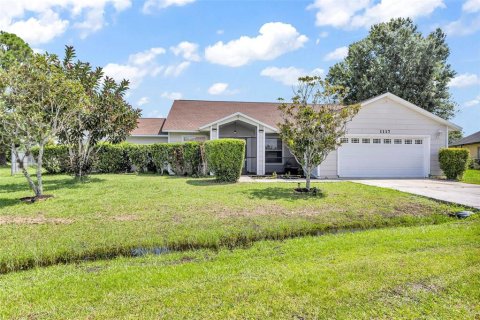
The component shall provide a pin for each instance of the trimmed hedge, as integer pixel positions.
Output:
(453, 162)
(55, 158)
(112, 158)
(225, 158)
(183, 159)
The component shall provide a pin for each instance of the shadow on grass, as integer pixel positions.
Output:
(277, 193)
(49, 186)
(206, 182)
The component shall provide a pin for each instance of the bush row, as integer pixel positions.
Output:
(224, 157)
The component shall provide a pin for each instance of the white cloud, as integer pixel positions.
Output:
(172, 95)
(188, 50)
(337, 54)
(175, 70)
(473, 102)
(363, 13)
(274, 40)
(162, 4)
(220, 88)
(220, 31)
(464, 26)
(465, 80)
(289, 76)
(142, 101)
(38, 30)
(44, 22)
(471, 6)
(139, 65)
(155, 114)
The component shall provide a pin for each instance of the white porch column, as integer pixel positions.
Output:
(260, 150)
(214, 132)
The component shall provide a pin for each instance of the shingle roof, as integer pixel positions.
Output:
(148, 126)
(190, 115)
(473, 138)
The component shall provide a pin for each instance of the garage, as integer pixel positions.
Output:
(383, 157)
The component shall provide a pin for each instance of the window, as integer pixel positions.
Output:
(273, 150)
(387, 141)
(376, 140)
(418, 141)
(194, 138)
(355, 140)
(366, 140)
(397, 141)
(344, 140)
(408, 141)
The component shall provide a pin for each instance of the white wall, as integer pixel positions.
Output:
(178, 136)
(147, 140)
(386, 114)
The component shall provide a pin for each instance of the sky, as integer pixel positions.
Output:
(236, 50)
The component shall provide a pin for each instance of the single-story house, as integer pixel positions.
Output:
(472, 143)
(389, 137)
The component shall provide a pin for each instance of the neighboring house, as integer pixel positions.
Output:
(389, 137)
(472, 143)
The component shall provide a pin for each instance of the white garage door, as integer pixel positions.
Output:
(383, 157)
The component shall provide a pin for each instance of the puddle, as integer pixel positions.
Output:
(139, 252)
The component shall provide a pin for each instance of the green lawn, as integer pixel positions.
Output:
(113, 214)
(422, 272)
(472, 176)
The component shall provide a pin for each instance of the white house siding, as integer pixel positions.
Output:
(328, 168)
(178, 136)
(386, 114)
(147, 140)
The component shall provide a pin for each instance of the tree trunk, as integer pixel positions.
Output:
(308, 173)
(25, 171)
(39, 171)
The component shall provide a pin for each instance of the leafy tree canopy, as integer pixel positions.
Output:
(106, 117)
(314, 122)
(12, 49)
(395, 57)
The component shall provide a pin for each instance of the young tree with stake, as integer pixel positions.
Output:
(314, 122)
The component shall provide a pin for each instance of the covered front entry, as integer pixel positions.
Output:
(240, 130)
(264, 152)
(384, 157)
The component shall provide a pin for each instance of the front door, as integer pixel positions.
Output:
(250, 162)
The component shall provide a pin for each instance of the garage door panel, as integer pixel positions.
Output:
(382, 160)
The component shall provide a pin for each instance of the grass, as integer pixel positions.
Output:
(111, 215)
(471, 176)
(421, 272)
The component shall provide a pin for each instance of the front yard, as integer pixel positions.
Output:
(422, 272)
(472, 176)
(114, 215)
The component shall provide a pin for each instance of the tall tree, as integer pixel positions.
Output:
(397, 58)
(37, 101)
(314, 122)
(106, 117)
(12, 49)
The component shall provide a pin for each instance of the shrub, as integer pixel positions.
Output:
(184, 159)
(55, 158)
(140, 157)
(159, 153)
(453, 162)
(225, 158)
(112, 158)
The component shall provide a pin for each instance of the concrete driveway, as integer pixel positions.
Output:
(457, 192)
